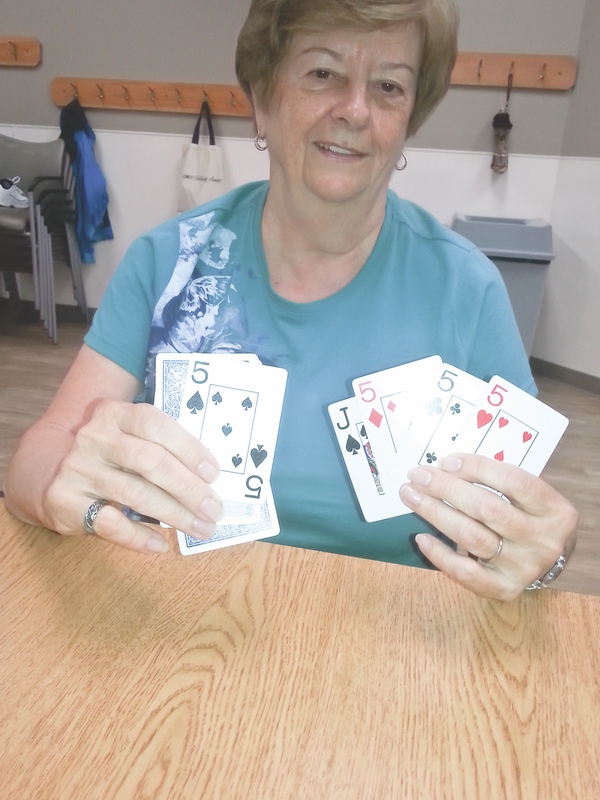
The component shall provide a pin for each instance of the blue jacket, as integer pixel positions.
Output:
(91, 213)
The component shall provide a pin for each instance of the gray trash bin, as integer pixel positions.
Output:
(522, 251)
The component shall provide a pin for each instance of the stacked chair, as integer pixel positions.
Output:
(31, 238)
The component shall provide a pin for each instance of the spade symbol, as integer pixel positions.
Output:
(216, 398)
(226, 429)
(352, 446)
(258, 455)
(247, 404)
(195, 403)
(236, 460)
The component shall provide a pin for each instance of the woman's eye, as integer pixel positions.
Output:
(390, 88)
(322, 74)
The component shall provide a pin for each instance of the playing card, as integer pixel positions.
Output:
(232, 529)
(234, 409)
(172, 371)
(440, 412)
(355, 446)
(387, 402)
(510, 425)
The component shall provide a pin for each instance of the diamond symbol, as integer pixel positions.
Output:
(375, 418)
(391, 406)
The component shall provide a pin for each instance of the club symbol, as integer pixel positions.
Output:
(195, 403)
(352, 446)
(435, 407)
(236, 460)
(431, 457)
(247, 404)
(226, 429)
(216, 398)
(258, 455)
(455, 409)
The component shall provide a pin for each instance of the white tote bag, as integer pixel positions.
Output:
(202, 168)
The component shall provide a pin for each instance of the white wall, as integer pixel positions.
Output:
(141, 171)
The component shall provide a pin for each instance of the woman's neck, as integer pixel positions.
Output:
(315, 249)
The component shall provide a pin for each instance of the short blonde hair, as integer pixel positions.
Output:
(266, 35)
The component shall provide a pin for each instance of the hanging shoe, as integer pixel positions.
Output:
(10, 195)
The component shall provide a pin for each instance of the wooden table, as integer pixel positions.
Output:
(262, 671)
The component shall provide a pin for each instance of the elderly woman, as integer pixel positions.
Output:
(323, 271)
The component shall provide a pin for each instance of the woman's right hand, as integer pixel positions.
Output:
(137, 456)
(94, 443)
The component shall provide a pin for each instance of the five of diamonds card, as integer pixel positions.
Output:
(415, 413)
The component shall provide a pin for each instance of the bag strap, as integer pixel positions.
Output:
(211, 133)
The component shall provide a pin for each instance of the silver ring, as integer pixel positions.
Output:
(91, 514)
(496, 554)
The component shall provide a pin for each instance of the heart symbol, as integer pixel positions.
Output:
(499, 456)
(527, 436)
(226, 429)
(236, 461)
(503, 421)
(483, 418)
(258, 455)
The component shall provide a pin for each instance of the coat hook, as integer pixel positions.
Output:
(152, 97)
(100, 93)
(543, 75)
(232, 99)
(75, 94)
(14, 50)
(479, 68)
(126, 93)
(178, 93)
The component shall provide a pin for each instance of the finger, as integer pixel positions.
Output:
(469, 514)
(112, 525)
(467, 572)
(156, 483)
(166, 478)
(145, 422)
(524, 490)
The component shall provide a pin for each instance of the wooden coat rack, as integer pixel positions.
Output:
(557, 73)
(20, 51)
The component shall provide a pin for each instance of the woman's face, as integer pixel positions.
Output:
(337, 121)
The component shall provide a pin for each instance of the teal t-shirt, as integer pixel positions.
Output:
(200, 283)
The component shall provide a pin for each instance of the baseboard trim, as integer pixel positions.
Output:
(580, 380)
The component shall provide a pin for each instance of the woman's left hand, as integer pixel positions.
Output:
(536, 526)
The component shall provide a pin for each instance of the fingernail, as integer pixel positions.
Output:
(157, 545)
(423, 542)
(208, 472)
(203, 529)
(450, 464)
(212, 508)
(420, 476)
(409, 495)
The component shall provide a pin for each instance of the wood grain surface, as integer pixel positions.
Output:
(262, 671)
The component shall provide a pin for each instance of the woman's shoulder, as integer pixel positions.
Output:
(413, 224)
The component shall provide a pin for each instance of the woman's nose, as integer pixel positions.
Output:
(353, 104)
